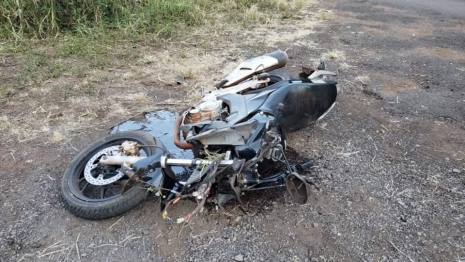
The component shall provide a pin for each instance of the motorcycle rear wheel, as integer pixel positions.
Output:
(277, 76)
(91, 201)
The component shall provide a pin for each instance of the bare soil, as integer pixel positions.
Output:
(390, 156)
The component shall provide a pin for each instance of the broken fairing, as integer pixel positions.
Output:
(327, 111)
(250, 84)
(234, 135)
(249, 67)
(320, 76)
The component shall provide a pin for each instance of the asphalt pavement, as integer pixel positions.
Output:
(448, 8)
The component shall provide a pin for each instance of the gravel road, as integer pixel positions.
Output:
(390, 162)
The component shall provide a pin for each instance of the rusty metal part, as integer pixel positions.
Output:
(297, 187)
(130, 148)
(134, 178)
(177, 139)
(207, 110)
(194, 115)
(176, 200)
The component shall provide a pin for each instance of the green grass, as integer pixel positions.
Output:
(40, 19)
(49, 38)
(47, 18)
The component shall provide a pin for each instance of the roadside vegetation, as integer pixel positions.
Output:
(66, 63)
(42, 34)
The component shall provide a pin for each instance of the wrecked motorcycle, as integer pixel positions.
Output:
(236, 136)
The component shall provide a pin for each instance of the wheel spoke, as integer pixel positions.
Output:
(102, 192)
(113, 190)
(84, 188)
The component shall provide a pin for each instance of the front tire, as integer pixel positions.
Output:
(82, 202)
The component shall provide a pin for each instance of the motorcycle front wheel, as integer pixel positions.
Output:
(93, 191)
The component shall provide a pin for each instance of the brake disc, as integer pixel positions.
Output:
(93, 163)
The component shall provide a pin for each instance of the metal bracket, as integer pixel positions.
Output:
(297, 188)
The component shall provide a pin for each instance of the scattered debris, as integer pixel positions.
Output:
(110, 227)
(373, 94)
(384, 128)
(57, 137)
(239, 257)
(180, 80)
(401, 251)
(77, 247)
(400, 202)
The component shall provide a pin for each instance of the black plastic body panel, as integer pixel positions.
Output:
(160, 125)
(303, 103)
(253, 145)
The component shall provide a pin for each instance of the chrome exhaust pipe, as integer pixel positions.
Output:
(165, 162)
(119, 160)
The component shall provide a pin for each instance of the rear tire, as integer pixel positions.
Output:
(278, 76)
(102, 208)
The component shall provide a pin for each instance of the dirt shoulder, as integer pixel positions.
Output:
(390, 156)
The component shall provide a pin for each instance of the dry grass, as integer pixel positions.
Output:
(336, 55)
(194, 95)
(325, 15)
(148, 59)
(253, 14)
(5, 123)
(282, 5)
(344, 65)
(137, 97)
(57, 137)
(362, 79)
(140, 78)
(299, 4)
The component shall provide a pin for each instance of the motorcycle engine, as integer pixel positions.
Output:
(208, 110)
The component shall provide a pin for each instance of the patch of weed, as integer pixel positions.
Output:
(325, 15)
(56, 69)
(334, 55)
